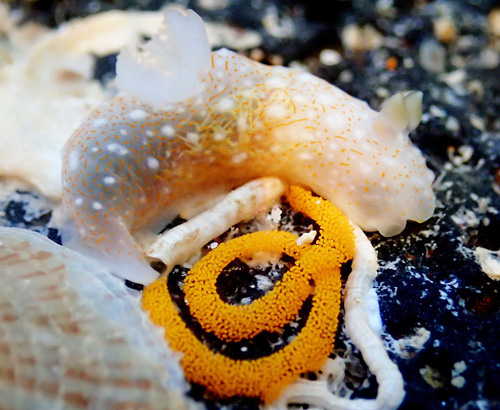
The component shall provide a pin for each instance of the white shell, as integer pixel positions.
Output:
(72, 336)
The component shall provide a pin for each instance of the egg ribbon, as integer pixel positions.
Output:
(316, 271)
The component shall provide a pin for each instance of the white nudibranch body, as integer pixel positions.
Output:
(193, 124)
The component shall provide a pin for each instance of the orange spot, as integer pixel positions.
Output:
(102, 238)
(391, 63)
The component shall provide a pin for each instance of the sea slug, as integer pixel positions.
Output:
(191, 124)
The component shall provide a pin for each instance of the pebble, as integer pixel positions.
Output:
(432, 56)
(276, 59)
(458, 382)
(445, 30)
(489, 58)
(213, 4)
(454, 78)
(346, 76)
(330, 57)
(452, 124)
(257, 54)
(476, 87)
(494, 22)
(358, 38)
(477, 122)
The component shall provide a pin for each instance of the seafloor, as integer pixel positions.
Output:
(440, 310)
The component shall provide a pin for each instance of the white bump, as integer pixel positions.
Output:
(138, 115)
(73, 160)
(193, 137)
(330, 57)
(305, 77)
(365, 167)
(276, 82)
(152, 163)
(302, 99)
(241, 125)
(219, 136)
(326, 99)
(226, 104)
(168, 131)
(97, 206)
(367, 148)
(109, 180)
(332, 147)
(311, 113)
(94, 149)
(99, 122)
(276, 111)
(336, 121)
(239, 158)
(117, 149)
(123, 132)
(306, 156)
(79, 201)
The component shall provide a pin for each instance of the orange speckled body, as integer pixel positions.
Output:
(131, 165)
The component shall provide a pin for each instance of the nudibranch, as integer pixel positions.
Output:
(191, 124)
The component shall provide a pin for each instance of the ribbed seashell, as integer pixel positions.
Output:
(72, 336)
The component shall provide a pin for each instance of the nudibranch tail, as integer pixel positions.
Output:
(112, 238)
(193, 125)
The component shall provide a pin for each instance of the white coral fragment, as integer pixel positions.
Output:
(178, 244)
(489, 262)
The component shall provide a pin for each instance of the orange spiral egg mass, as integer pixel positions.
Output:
(263, 377)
